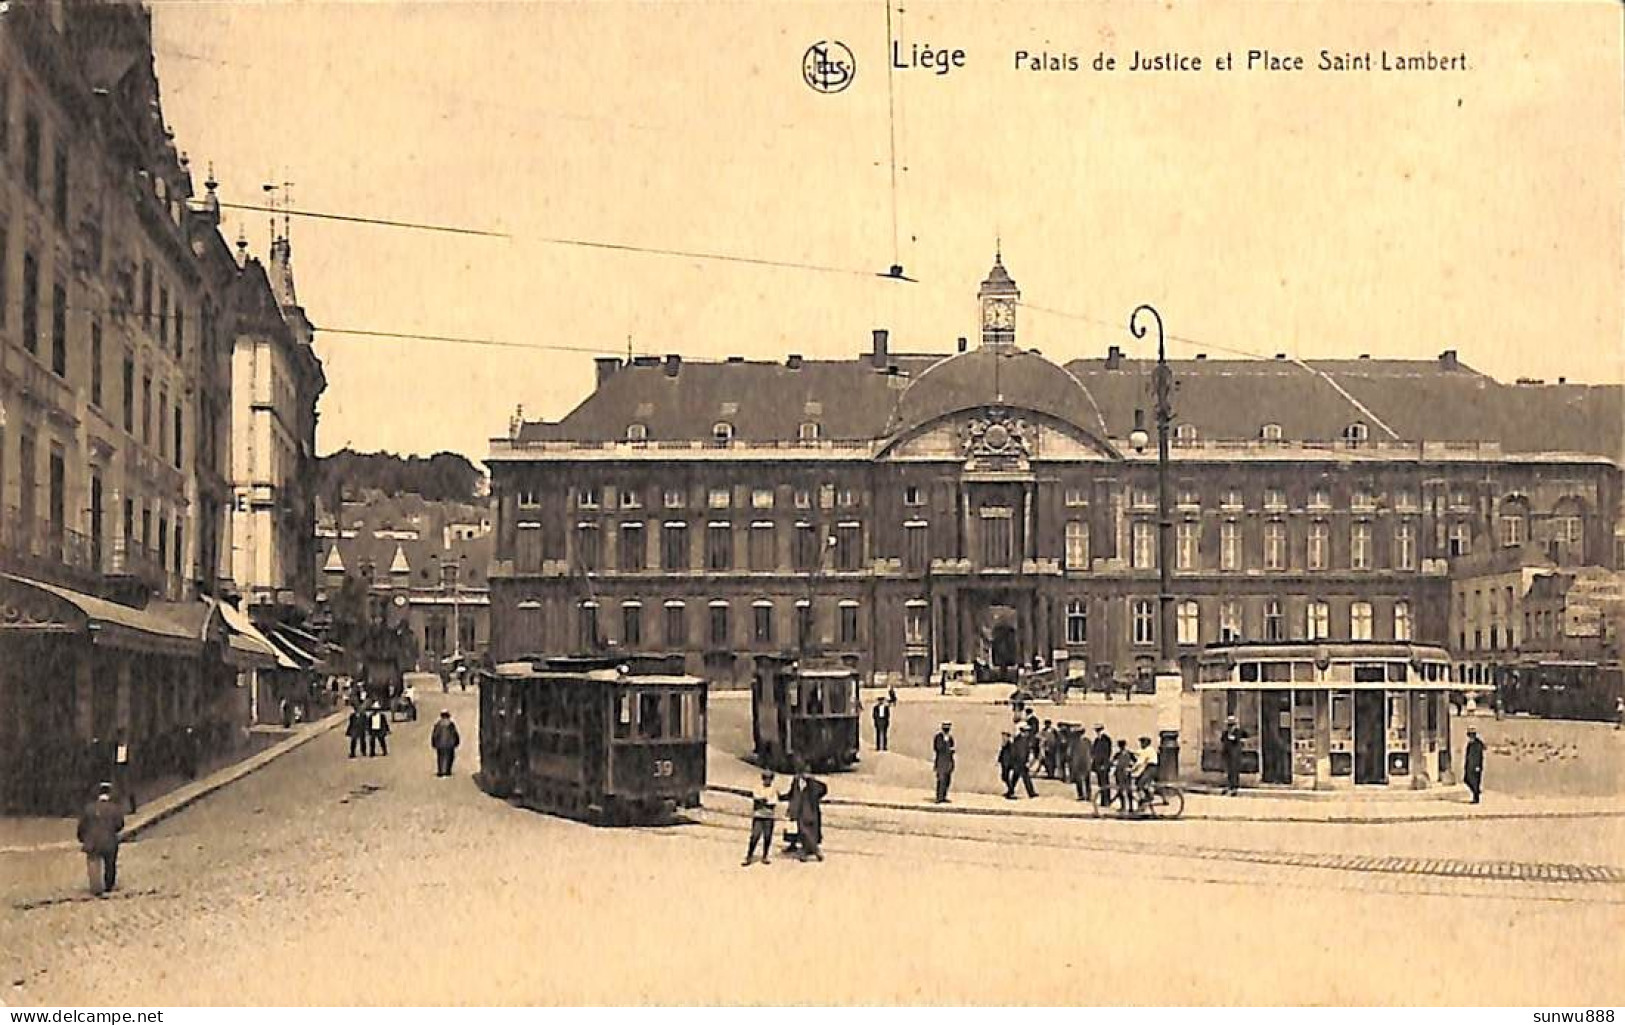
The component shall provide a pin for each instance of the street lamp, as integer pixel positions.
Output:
(1169, 681)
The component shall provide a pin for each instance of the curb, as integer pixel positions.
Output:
(184, 797)
(1355, 820)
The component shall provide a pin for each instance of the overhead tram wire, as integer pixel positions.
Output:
(355, 219)
(1191, 342)
(605, 350)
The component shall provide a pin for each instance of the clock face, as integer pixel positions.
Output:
(999, 313)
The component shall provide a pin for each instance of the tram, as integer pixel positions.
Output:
(1561, 689)
(606, 741)
(805, 710)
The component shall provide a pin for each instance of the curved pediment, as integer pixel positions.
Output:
(999, 438)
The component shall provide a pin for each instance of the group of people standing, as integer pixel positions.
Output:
(1095, 767)
(805, 808)
(368, 730)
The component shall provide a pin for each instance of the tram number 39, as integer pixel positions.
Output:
(662, 767)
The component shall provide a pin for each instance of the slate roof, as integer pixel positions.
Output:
(400, 513)
(1411, 400)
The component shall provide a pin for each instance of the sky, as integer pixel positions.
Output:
(1321, 214)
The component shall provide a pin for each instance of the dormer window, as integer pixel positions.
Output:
(1357, 433)
(1270, 432)
(722, 430)
(637, 432)
(1185, 434)
(810, 431)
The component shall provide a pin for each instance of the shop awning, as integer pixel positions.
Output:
(247, 647)
(35, 607)
(289, 651)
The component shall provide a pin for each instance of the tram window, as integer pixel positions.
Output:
(1431, 703)
(1249, 672)
(815, 699)
(623, 715)
(791, 695)
(1277, 672)
(1342, 712)
(1398, 672)
(1369, 673)
(837, 696)
(674, 710)
(651, 724)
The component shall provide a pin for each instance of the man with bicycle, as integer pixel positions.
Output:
(1145, 774)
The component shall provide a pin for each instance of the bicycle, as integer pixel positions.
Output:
(1164, 801)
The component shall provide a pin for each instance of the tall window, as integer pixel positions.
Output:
(1318, 625)
(1402, 620)
(1512, 530)
(1077, 544)
(1360, 621)
(96, 363)
(1144, 552)
(1274, 621)
(587, 635)
(1405, 545)
(1229, 545)
(1077, 621)
(179, 438)
(587, 549)
(848, 628)
(1189, 540)
(674, 546)
(146, 409)
(61, 175)
(719, 546)
(914, 615)
(848, 546)
(30, 303)
(763, 554)
(1188, 618)
(997, 542)
(916, 546)
(631, 624)
(762, 622)
(96, 531)
(180, 329)
(5, 235)
(1275, 545)
(31, 152)
(59, 331)
(1461, 539)
(804, 624)
(719, 634)
(1229, 621)
(1360, 545)
(631, 554)
(676, 625)
(805, 545)
(1320, 536)
(1143, 621)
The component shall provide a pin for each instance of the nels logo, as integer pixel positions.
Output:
(828, 66)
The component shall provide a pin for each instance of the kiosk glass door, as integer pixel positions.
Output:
(1370, 742)
(1276, 735)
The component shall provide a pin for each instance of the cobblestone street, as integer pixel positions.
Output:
(325, 880)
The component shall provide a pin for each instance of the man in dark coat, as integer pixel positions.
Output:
(1230, 747)
(1021, 753)
(1473, 765)
(882, 714)
(356, 730)
(942, 760)
(377, 730)
(1049, 752)
(444, 739)
(1006, 761)
(101, 826)
(1079, 761)
(809, 814)
(1100, 760)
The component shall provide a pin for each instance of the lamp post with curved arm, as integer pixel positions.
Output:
(1169, 681)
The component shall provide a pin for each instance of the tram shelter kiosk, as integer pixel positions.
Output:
(1331, 716)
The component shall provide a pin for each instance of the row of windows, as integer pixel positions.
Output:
(810, 549)
(828, 496)
(1184, 434)
(1316, 624)
(676, 625)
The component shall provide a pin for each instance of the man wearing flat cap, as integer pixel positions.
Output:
(942, 760)
(101, 826)
(444, 739)
(1230, 747)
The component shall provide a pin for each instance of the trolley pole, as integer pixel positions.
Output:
(1169, 680)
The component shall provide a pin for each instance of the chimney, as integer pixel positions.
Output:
(1447, 360)
(793, 361)
(1114, 358)
(879, 357)
(962, 343)
(1280, 355)
(1365, 355)
(607, 365)
(674, 363)
(1201, 355)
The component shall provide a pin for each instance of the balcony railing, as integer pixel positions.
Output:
(47, 549)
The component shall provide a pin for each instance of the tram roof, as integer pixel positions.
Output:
(1346, 651)
(528, 671)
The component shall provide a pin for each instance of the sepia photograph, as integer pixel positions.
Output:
(905, 504)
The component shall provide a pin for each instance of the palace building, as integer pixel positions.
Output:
(984, 504)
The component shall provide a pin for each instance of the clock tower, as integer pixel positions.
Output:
(998, 297)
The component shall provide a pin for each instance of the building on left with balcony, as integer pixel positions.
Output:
(118, 315)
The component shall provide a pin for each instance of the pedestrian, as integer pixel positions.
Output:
(1047, 748)
(101, 826)
(123, 775)
(1619, 713)
(809, 814)
(882, 714)
(1230, 747)
(1021, 748)
(356, 730)
(189, 752)
(1123, 774)
(1473, 765)
(942, 760)
(1032, 738)
(891, 693)
(1063, 752)
(764, 802)
(1100, 760)
(444, 739)
(1078, 757)
(377, 731)
(287, 714)
(1007, 774)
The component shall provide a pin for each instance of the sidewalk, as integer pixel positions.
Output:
(29, 835)
(728, 774)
